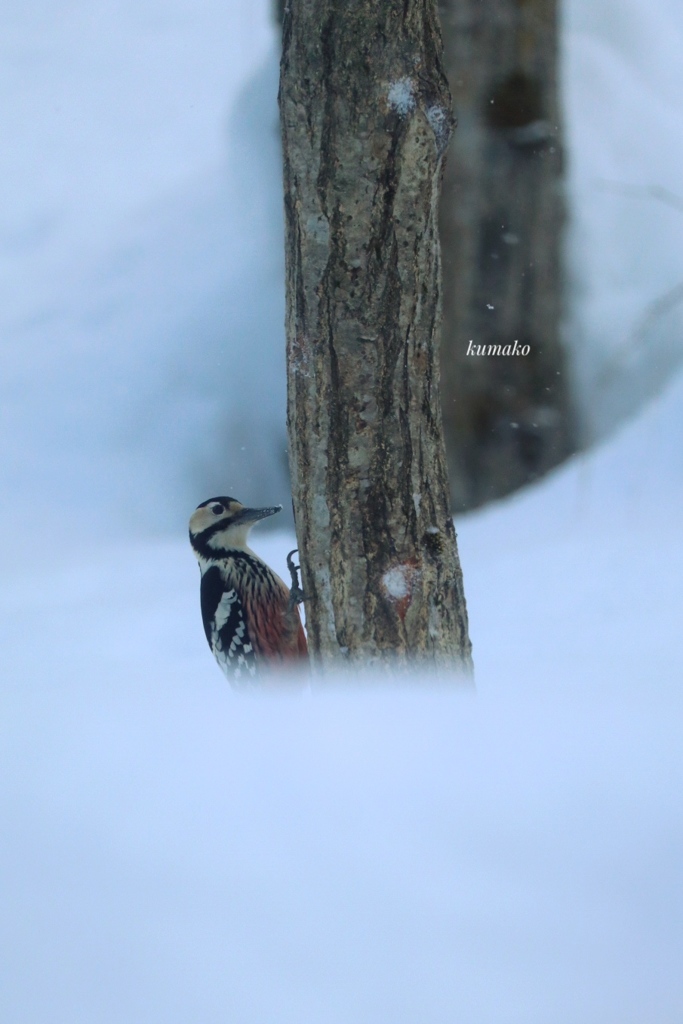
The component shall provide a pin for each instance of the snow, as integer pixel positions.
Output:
(401, 96)
(623, 94)
(397, 581)
(172, 851)
(126, 340)
(375, 854)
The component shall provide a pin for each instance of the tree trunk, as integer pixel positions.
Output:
(366, 119)
(507, 418)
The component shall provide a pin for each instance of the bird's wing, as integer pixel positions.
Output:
(226, 629)
(210, 592)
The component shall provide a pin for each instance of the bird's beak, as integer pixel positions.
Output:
(252, 515)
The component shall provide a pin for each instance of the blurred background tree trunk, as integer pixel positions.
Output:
(507, 419)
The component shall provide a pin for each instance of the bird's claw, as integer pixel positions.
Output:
(296, 594)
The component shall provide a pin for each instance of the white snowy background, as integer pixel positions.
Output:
(170, 852)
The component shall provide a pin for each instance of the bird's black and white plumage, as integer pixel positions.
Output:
(251, 619)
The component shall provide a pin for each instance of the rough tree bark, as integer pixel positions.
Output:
(365, 112)
(507, 419)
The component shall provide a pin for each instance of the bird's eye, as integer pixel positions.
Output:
(217, 509)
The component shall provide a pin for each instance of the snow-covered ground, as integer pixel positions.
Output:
(623, 92)
(171, 852)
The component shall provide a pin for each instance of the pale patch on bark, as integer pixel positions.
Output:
(397, 582)
(401, 96)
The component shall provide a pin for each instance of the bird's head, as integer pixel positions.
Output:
(222, 524)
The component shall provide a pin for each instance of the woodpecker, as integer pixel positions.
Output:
(250, 617)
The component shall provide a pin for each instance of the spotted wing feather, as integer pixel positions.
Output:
(226, 628)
